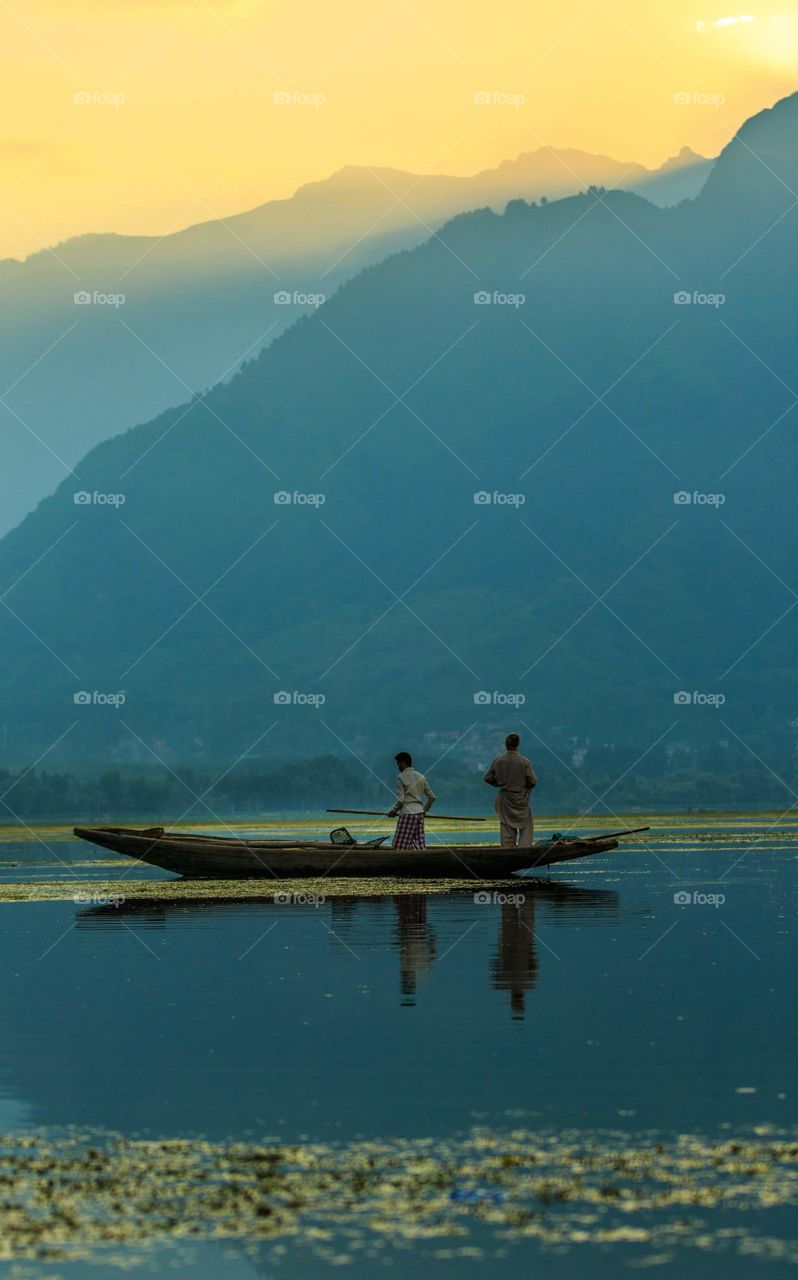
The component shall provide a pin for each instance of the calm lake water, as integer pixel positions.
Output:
(650, 993)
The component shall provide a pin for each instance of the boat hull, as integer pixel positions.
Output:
(228, 858)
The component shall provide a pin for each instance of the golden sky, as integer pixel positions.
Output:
(143, 116)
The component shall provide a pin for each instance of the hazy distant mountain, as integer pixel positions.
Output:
(198, 301)
(585, 498)
(680, 178)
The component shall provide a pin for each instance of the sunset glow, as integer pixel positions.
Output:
(145, 117)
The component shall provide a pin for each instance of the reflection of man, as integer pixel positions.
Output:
(416, 942)
(514, 776)
(515, 966)
(410, 787)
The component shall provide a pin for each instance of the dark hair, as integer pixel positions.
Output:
(403, 758)
(512, 741)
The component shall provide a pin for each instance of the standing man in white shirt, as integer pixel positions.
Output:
(409, 809)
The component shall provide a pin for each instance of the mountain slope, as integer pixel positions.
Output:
(401, 599)
(198, 301)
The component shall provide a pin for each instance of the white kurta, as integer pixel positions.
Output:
(411, 786)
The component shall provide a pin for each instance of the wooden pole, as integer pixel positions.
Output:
(379, 813)
(608, 835)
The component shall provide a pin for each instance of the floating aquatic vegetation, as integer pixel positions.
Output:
(178, 890)
(86, 1196)
(709, 826)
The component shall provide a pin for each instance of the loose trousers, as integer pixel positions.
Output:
(514, 837)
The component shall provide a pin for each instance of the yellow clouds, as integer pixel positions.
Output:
(764, 37)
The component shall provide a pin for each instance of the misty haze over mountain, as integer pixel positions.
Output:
(543, 444)
(158, 318)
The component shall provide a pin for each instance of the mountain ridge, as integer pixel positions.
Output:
(163, 316)
(364, 174)
(591, 591)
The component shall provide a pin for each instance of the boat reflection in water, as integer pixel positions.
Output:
(515, 914)
(513, 966)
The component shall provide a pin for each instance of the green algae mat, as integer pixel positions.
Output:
(671, 826)
(312, 891)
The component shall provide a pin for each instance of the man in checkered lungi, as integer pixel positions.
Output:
(409, 810)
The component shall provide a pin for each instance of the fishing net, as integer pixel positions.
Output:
(341, 836)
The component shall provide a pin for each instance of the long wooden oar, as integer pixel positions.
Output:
(606, 835)
(380, 813)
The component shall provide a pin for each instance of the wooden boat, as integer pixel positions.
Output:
(234, 858)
